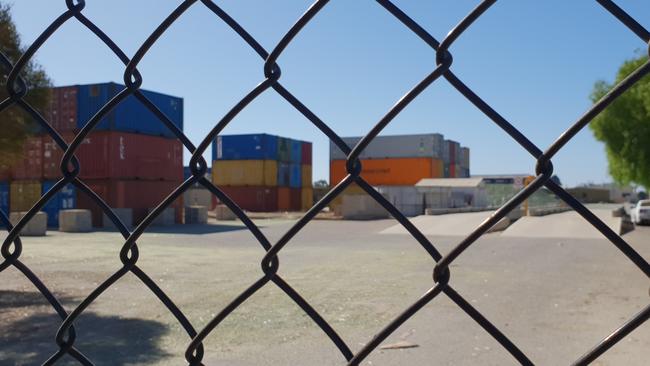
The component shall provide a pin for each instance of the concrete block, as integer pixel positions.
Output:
(75, 221)
(196, 214)
(197, 197)
(166, 218)
(224, 213)
(124, 214)
(37, 226)
(361, 207)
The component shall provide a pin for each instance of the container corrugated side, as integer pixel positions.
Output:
(118, 155)
(464, 162)
(130, 115)
(295, 152)
(295, 197)
(255, 199)
(61, 113)
(295, 176)
(64, 199)
(306, 158)
(395, 146)
(245, 172)
(245, 147)
(306, 176)
(398, 171)
(138, 195)
(284, 174)
(284, 150)
(306, 198)
(30, 164)
(4, 197)
(284, 199)
(23, 194)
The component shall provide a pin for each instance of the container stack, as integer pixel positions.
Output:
(130, 159)
(394, 164)
(262, 172)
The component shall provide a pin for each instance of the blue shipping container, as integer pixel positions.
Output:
(130, 115)
(284, 174)
(4, 198)
(295, 154)
(245, 147)
(63, 200)
(295, 176)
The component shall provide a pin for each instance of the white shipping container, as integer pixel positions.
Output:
(396, 146)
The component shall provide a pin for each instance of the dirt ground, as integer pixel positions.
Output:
(554, 298)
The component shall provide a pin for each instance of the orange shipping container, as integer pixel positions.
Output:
(390, 171)
(284, 198)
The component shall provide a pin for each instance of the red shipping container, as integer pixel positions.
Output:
(284, 199)
(138, 195)
(61, 112)
(119, 155)
(295, 199)
(306, 153)
(30, 166)
(253, 198)
(452, 171)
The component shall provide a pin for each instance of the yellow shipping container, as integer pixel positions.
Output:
(306, 176)
(245, 172)
(23, 194)
(306, 198)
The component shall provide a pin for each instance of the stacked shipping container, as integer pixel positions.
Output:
(262, 172)
(129, 146)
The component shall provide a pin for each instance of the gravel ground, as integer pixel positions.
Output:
(555, 298)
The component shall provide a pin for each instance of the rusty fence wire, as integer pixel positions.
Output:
(441, 276)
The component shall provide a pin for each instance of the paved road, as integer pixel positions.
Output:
(562, 225)
(555, 298)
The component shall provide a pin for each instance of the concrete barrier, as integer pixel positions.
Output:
(75, 221)
(124, 214)
(196, 214)
(166, 218)
(361, 207)
(197, 197)
(36, 226)
(222, 212)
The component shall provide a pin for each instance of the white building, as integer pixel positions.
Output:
(453, 192)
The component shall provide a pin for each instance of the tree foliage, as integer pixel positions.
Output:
(15, 124)
(624, 127)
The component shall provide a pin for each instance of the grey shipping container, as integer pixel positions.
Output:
(395, 146)
(464, 161)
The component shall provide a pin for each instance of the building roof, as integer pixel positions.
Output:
(450, 182)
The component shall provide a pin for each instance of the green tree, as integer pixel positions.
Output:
(15, 124)
(624, 127)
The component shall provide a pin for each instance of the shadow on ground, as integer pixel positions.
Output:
(28, 327)
(190, 229)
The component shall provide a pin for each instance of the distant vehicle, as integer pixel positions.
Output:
(641, 212)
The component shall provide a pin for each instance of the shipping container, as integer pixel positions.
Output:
(23, 194)
(30, 164)
(284, 150)
(4, 198)
(284, 199)
(465, 157)
(306, 176)
(453, 148)
(452, 171)
(306, 198)
(255, 199)
(398, 171)
(295, 199)
(130, 115)
(306, 157)
(284, 174)
(245, 147)
(395, 146)
(446, 170)
(64, 199)
(138, 195)
(295, 176)
(61, 112)
(295, 153)
(245, 172)
(119, 155)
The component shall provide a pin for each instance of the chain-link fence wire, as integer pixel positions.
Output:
(65, 337)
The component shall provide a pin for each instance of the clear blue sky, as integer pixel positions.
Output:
(535, 62)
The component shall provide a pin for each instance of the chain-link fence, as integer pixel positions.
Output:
(65, 337)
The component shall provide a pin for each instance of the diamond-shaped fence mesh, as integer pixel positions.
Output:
(442, 280)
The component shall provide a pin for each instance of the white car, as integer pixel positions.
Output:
(641, 212)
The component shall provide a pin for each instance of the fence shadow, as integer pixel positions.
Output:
(105, 340)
